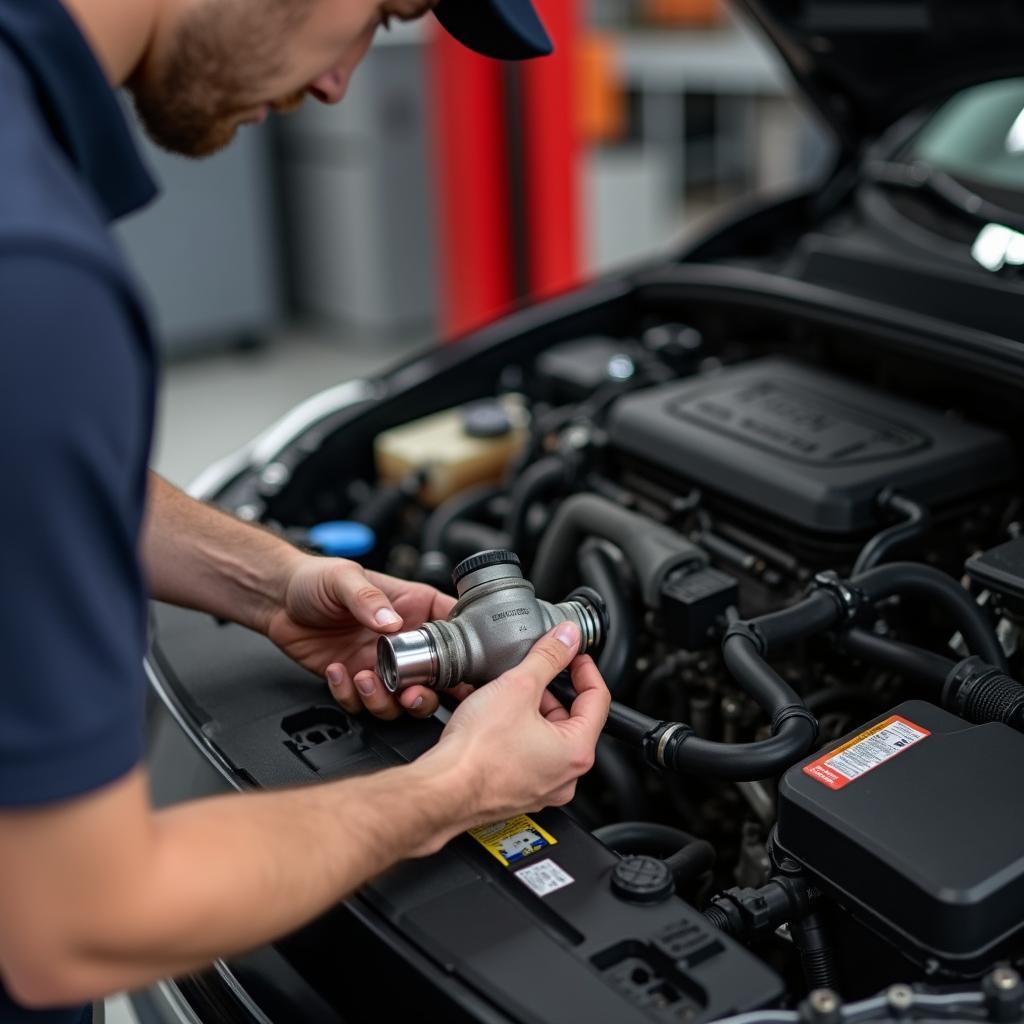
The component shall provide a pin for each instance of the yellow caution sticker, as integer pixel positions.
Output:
(514, 840)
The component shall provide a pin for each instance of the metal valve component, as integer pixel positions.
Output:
(496, 621)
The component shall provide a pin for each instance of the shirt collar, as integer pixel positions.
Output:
(78, 103)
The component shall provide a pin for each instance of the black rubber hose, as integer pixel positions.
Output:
(687, 856)
(742, 762)
(435, 565)
(459, 506)
(815, 613)
(911, 578)
(816, 954)
(651, 549)
(692, 861)
(673, 745)
(980, 693)
(537, 481)
(684, 752)
(916, 520)
(902, 658)
(757, 678)
(616, 658)
(624, 723)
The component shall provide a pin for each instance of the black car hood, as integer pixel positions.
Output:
(866, 63)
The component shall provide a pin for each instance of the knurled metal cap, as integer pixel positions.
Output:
(481, 560)
(642, 879)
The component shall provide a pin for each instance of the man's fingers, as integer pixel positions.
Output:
(367, 691)
(552, 708)
(548, 656)
(428, 602)
(367, 603)
(342, 688)
(590, 708)
(374, 696)
(418, 701)
(441, 605)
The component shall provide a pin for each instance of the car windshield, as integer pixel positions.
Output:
(978, 137)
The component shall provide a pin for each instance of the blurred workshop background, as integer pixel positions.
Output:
(442, 191)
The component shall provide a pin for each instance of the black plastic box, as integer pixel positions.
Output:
(1000, 568)
(928, 846)
(806, 446)
(692, 601)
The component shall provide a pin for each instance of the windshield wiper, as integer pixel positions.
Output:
(921, 176)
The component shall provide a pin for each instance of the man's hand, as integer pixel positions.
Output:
(514, 745)
(325, 613)
(330, 618)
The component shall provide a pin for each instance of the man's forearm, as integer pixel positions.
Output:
(199, 557)
(219, 876)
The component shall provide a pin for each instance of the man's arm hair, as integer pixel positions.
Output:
(104, 895)
(199, 557)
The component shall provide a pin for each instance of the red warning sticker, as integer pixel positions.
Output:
(867, 750)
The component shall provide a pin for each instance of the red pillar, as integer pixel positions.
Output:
(473, 163)
(472, 175)
(553, 154)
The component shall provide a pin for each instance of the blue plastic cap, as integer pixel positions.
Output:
(342, 539)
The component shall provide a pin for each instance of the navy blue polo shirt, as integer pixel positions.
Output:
(76, 411)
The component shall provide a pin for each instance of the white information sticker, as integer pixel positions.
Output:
(544, 877)
(867, 750)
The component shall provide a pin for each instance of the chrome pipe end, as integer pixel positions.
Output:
(408, 659)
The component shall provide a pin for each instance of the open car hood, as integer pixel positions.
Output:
(866, 63)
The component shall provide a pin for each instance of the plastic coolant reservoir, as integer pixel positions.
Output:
(467, 445)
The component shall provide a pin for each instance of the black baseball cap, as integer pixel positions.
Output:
(505, 29)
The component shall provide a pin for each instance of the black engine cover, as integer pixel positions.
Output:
(916, 823)
(810, 448)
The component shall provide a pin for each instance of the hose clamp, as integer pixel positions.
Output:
(670, 737)
(849, 598)
(589, 597)
(794, 711)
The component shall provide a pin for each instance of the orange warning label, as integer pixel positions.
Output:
(867, 750)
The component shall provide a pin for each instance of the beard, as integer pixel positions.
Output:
(209, 83)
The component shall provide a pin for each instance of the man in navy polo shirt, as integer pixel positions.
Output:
(97, 891)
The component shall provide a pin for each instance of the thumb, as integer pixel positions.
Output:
(551, 654)
(367, 604)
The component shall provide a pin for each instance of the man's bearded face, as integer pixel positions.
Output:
(225, 63)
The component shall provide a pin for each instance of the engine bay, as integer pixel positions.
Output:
(813, 575)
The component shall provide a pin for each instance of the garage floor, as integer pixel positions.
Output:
(211, 405)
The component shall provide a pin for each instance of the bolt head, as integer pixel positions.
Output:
(901, 997)
(823, 1000)
(275, 476)
(621, 367)
(1005, 978)
(577, 436)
